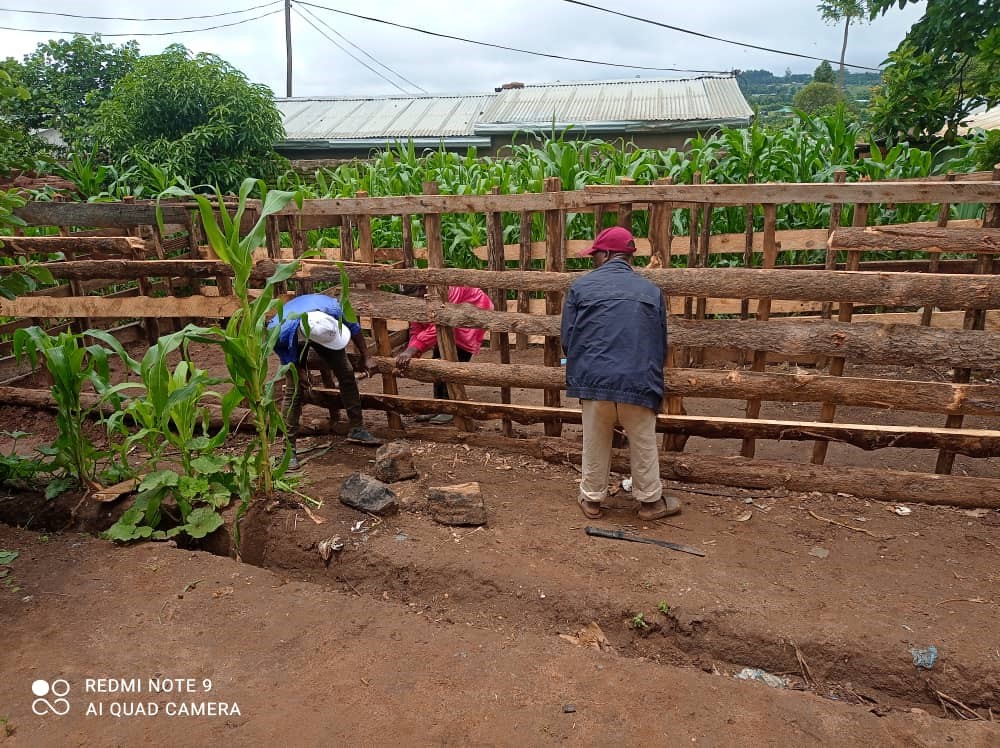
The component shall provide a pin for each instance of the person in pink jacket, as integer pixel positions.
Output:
(423, 337)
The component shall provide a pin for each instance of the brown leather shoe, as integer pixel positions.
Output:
(591, 509)
(664, 507)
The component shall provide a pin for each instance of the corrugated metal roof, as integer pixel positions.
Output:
(626, 105)
(389, 117)
(645, 103)
(983, 119)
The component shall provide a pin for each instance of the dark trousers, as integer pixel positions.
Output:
(329, 360)
(441, 388)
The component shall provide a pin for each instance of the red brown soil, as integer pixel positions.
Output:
(426, 634)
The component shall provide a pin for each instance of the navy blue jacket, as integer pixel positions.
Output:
(614, 333)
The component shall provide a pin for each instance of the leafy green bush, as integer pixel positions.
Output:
(196, 116)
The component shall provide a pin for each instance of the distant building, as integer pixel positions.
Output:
(649, 113)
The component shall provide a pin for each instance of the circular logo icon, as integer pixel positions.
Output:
(59, 705)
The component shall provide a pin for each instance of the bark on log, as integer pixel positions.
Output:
(891, 394)
(930, 239)
(99, 247)
(883, 289)
(973, 442)
(858, 341)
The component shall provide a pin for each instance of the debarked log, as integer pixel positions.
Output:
(973, 442)
(892, 394)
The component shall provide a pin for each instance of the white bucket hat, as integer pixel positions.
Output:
(326, 331)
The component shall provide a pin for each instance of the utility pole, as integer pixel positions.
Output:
(288, 48)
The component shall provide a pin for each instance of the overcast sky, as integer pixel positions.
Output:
(444, 66)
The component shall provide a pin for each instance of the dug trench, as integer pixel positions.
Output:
(832, 610)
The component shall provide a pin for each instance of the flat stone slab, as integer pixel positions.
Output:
(394, 462)
(460, 504)
(368, 494)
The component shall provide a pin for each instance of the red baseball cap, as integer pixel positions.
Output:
(614, 239)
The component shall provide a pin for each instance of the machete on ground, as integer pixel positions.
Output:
(597, 532)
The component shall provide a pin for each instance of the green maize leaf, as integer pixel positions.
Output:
(7, 557)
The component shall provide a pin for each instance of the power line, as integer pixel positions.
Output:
(124, 18)
(365, 53)
(714, 38)
(512, 49)
(345, 51)
(147, 33)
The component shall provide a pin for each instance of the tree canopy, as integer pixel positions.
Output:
(196, 116)
(824, 73)
(67, 80)
(814, 96)
(944, 68)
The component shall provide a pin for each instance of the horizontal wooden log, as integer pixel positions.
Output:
(724, 194)
(96, 247)
(811, 192)
(101, 214)
(892, 394)
(788, 240)
(123, 269)
(100, 307)
(929, 239)
(884, 289)
(973, 442)
(860, 342)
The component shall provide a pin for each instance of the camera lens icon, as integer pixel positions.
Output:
(58, 688)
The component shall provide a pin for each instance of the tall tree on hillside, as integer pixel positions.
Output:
(945, 68)
(823, 73)
(835, 11)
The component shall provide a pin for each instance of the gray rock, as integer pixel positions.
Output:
(363, 492)
(461, 504)
(394, 462)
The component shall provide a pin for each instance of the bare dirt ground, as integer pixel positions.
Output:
(433, 635)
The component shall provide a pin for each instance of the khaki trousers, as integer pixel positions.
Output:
(599, 417)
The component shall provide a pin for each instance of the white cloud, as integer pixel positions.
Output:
(438, 65)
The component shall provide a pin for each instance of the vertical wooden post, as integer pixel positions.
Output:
(763, 313)
(975, 319)
(846, 311)
(747, 253)
(445, 335)
(683, 354)
(836, 211)
(300, 245)
(79, 324)
(347, 238)
(701, 303)
(495, 259)
(524, 263)
(555, 254)
(272, 234)
(625, 209)
(409, 260)
(599, 212)
(935, 262)
(661, 218)
(150, 324)
(223, 281)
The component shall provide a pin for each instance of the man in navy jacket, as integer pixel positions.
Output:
(614, 334)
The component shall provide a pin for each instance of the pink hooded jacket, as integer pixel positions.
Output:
(423, 335)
